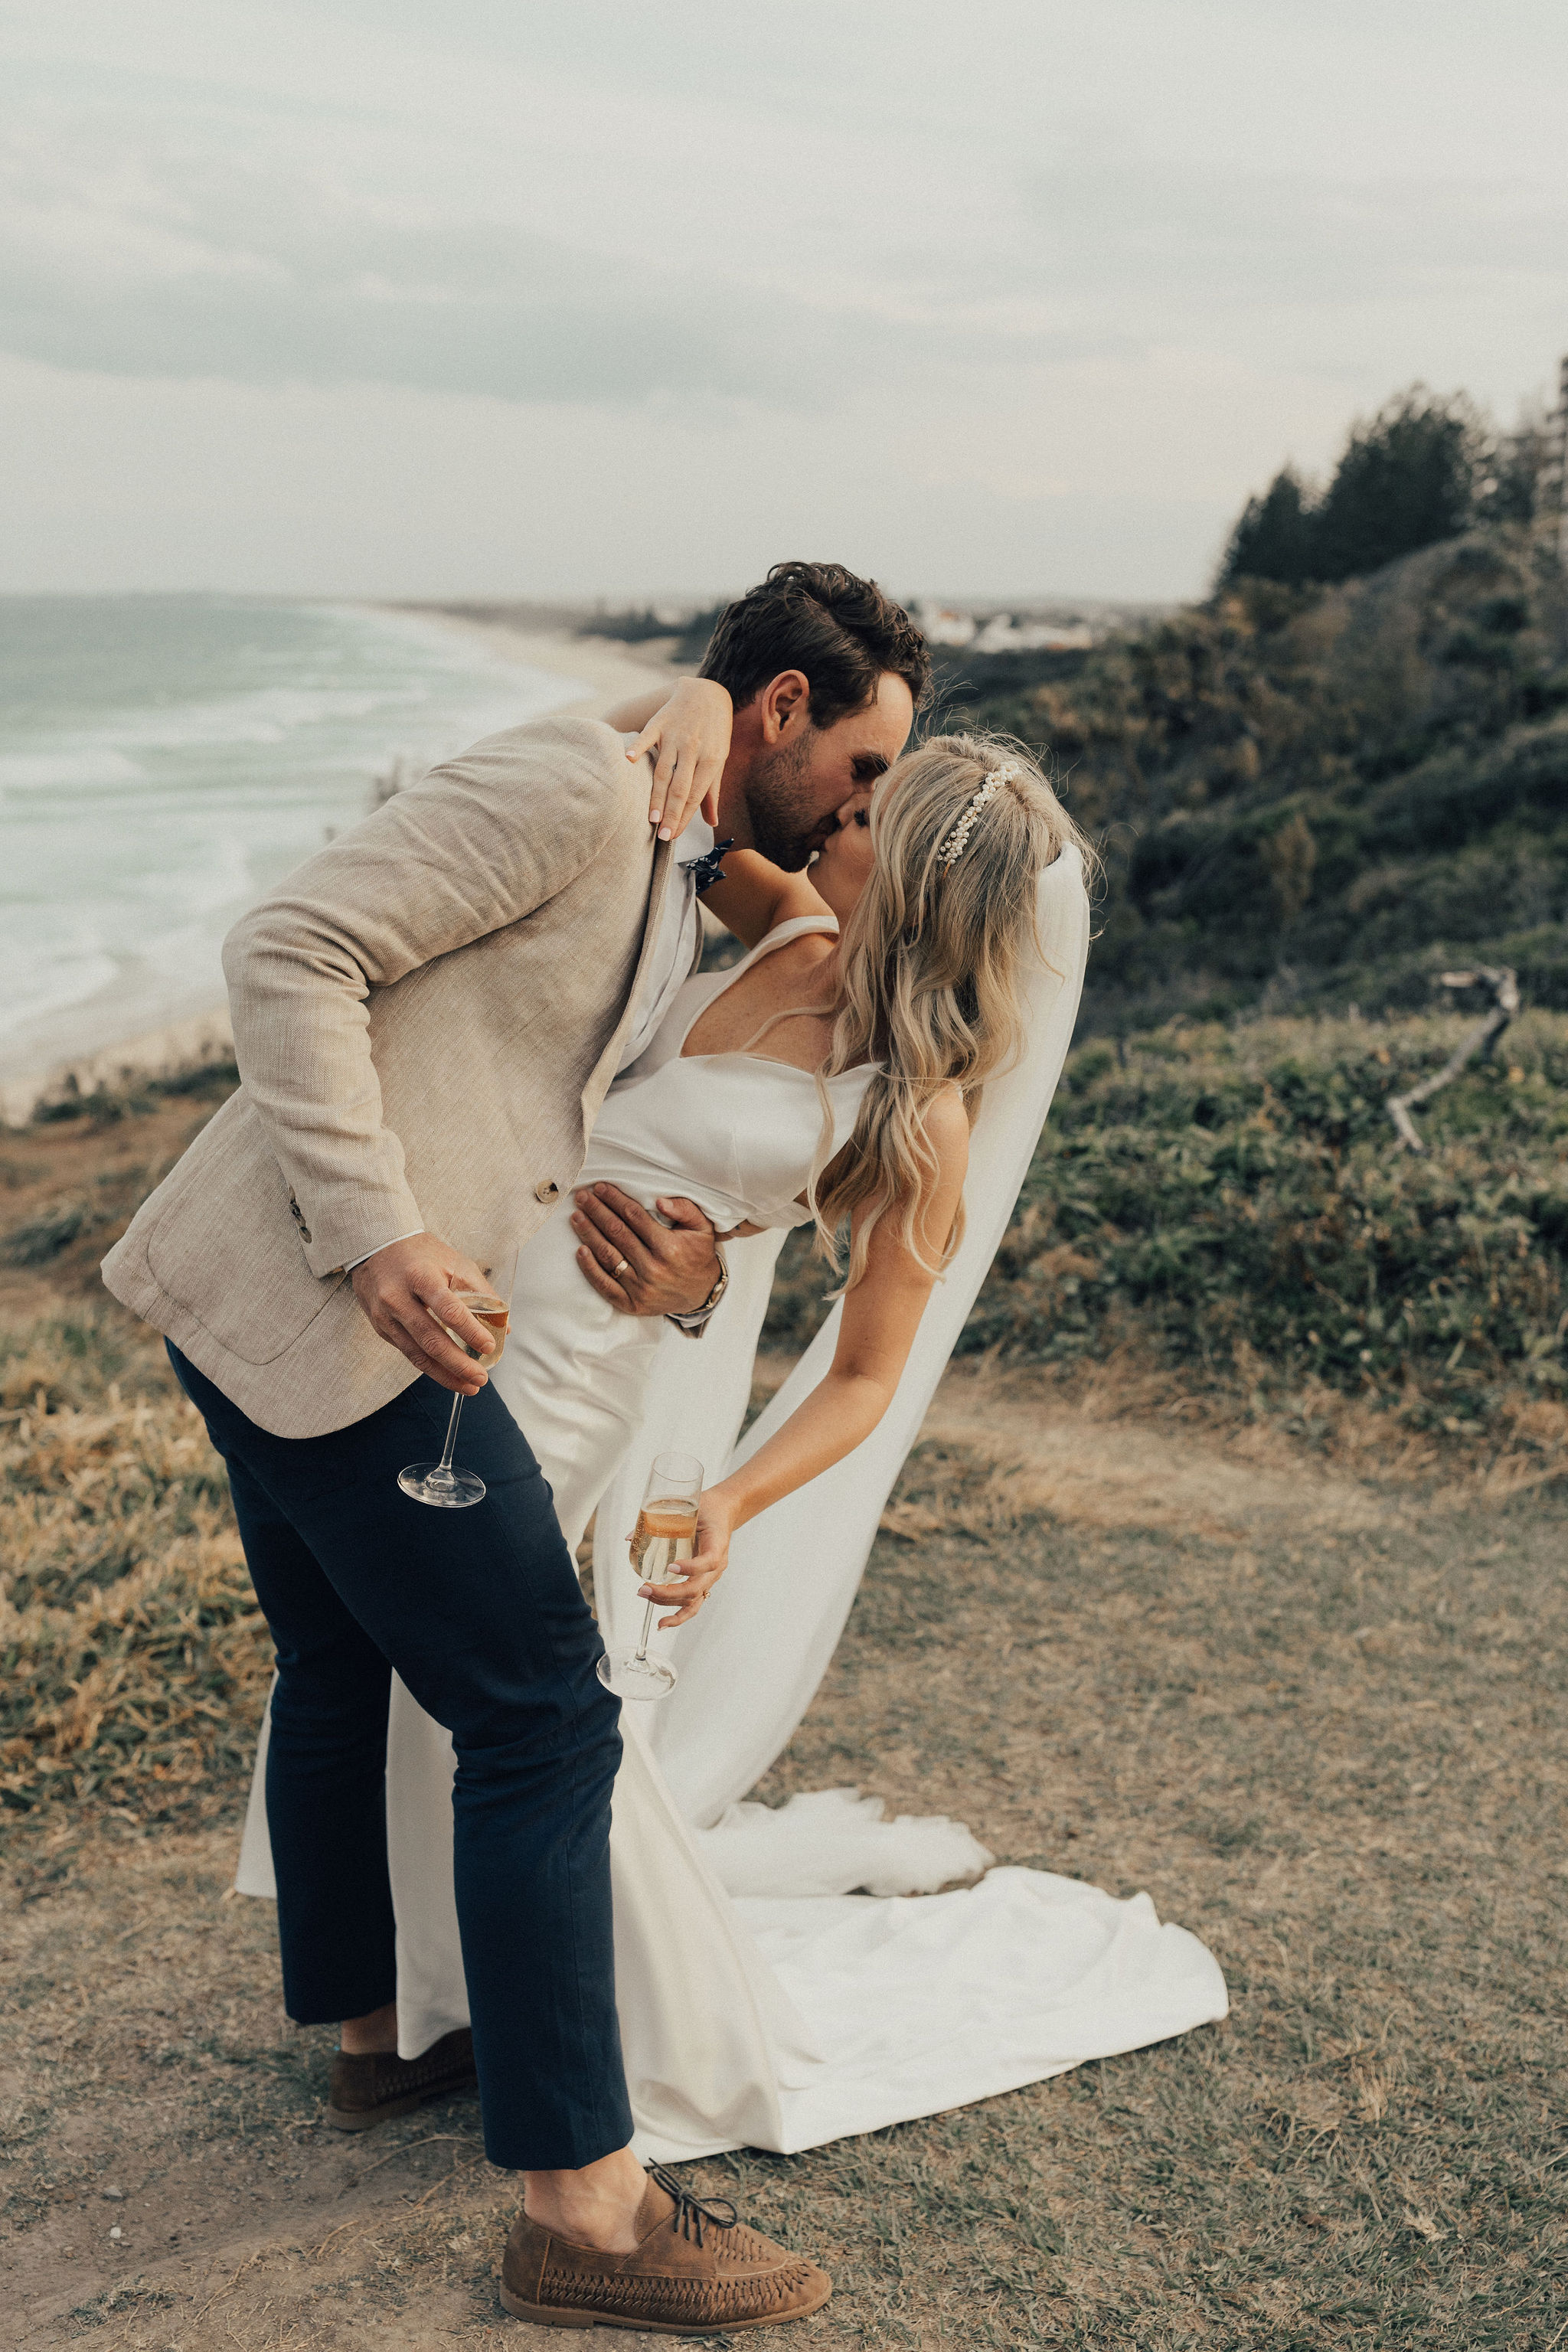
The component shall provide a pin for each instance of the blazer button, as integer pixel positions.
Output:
(546, 1191)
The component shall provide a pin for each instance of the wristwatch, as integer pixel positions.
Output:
(696, 1322)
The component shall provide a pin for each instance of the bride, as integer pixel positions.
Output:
(880, 1060)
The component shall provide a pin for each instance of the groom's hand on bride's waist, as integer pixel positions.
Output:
(641, 1264)
(405, 1290)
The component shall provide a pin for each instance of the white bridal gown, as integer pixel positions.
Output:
(783, 1977)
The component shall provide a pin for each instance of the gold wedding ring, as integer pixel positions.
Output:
(620, 1267)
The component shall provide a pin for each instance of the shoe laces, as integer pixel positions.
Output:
(692, 2212)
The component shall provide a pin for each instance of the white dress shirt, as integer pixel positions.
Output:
(674, 950)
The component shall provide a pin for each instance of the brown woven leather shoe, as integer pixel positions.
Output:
(369, 2090)
(698, 2270)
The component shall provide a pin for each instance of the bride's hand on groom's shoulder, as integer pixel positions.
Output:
(716, 1521)
(689, 737)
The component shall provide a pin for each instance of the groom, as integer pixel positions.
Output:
(426, 1017)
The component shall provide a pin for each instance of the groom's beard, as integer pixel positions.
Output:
(785, 828)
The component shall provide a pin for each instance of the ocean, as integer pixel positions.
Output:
(164, 759)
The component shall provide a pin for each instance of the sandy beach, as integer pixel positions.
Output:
(609, 671)
(89, 1053)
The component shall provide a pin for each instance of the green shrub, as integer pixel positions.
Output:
(1218, 1187)
(1223, 1195)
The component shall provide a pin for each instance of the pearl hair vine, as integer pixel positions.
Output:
(957, 841)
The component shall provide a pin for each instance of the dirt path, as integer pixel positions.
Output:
(1320, 1719)
(1087, 1464)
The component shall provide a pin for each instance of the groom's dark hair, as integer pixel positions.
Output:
(841, 631)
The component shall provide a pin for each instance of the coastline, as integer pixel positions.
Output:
(197, 1043)
(199, 1035)
(609, 672)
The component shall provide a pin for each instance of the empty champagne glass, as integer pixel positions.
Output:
(666, 1533)
(442, 1484)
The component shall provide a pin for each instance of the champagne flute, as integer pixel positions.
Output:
(442, 1484)
(666, 1533)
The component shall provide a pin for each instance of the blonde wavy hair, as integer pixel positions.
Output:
(932, 966)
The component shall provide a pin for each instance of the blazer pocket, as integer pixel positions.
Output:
(222, 1245)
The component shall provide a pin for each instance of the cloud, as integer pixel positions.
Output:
(192, 230)
(358, 289)
(124, 260)
(1207, 242)
(191, 271)
(311, 318)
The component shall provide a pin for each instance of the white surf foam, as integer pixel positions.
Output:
(137, 825)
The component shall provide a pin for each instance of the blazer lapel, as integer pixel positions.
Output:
(603, 1069)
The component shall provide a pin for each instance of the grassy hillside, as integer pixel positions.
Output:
(1314, 798)
(1230, 1201)
(1230, 1189)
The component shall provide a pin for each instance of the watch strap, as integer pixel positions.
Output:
(697, 1321)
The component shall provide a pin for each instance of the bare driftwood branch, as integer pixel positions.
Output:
(1504, 985)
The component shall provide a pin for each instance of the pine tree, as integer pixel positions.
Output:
(1406, 481)
(1418, 471)
(1273, 539)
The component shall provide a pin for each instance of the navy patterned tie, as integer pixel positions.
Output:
(706, 871)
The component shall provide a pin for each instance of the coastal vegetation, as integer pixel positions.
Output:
(1229, 1203)
(1225, 1191)
(1310, 798)
(132, 1655)
(1348, 768)
(133, 1658)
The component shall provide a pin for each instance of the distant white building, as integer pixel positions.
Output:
(1003, 634)
(943, 626)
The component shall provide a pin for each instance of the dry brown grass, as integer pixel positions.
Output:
(134, 1652)
(68, 1186)
(1320, 1720)
(133, 1655)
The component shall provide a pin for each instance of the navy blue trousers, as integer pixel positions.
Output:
(481, 1613)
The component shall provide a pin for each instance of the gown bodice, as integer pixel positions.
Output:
(735, 1132)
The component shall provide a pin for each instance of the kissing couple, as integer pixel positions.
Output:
(474, 1027)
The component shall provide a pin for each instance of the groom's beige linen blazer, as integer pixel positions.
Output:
(426, 1017)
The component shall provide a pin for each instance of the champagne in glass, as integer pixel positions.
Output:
(493, 1313)
(442, 1484)
(665, 1536)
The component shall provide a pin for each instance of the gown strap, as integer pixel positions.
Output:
(797, 927)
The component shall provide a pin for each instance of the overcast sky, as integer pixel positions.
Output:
(567, 296)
